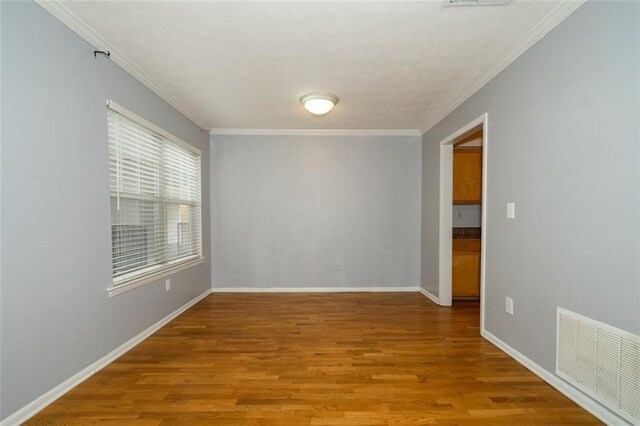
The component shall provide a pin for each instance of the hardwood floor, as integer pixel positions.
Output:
(316, 359)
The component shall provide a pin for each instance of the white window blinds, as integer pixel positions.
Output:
(155, 197)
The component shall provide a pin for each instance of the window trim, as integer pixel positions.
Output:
(128, 282)
(155, 273)
(135, 117)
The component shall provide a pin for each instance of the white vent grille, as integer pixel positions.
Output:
(600, 360)
(457, 3)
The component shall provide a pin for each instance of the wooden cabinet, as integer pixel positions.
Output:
(467, 175)
(465, 278)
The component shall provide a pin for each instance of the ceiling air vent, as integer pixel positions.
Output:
(457, 3)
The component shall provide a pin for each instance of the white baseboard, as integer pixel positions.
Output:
(37, 405)
(433, 298)
(310, 289)
(589, 404)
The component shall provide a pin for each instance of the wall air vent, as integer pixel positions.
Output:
(458, 3)
(600, 360)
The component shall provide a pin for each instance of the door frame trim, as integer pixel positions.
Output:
(446, 211)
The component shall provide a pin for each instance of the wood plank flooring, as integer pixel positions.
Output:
(316, 359)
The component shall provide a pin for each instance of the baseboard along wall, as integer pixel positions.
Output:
(40, 403)
(311, 289)
(34, 407)
(584, 401)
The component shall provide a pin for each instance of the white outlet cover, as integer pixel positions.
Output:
(167, 284)
(511, 210)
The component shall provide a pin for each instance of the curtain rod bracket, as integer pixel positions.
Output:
(106, 53)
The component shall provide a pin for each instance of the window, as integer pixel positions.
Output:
(155, 200)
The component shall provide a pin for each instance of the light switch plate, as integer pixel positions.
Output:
(167, 285)
(509, 305)
(511, 210)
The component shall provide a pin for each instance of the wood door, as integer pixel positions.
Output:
(467, 175)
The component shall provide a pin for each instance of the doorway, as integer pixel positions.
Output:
(447, 146)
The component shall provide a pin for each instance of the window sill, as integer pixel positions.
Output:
(151, 277)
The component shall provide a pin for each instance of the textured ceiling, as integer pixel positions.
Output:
(243, 65)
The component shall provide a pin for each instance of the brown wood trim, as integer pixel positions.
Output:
(467, 150)
(469, 138)
(467, 202)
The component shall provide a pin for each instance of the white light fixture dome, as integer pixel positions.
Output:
(318, 103)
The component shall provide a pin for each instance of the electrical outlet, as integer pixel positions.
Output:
(338, 266)
(167, 284)
(509, 305)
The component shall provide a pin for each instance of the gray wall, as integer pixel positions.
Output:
(285, 209)
(467, 216)
(563, 145)
(56, 244)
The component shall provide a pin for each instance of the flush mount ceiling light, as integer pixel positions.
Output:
(318, 103)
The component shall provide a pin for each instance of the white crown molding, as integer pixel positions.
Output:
(311, 289)
(550, 21)
(311, 132)
(589, 404)
(37, 405)
(77, 25)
